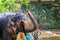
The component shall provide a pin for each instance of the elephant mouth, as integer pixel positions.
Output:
(21, 28)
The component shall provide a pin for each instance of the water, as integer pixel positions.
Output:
(50, 35)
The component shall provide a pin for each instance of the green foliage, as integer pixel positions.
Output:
(45, 16)
(56, 11)
(12, 5)
(58, 0)
(9, 5)
(25, 2)
(39, 0)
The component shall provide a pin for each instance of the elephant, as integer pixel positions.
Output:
(30, 23)
(13, 20)
(4, 25)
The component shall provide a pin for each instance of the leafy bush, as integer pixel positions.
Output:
(12, 5)
(46, 14)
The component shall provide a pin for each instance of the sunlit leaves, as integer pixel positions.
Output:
(7, 5)
(12, 5)
(25, 2)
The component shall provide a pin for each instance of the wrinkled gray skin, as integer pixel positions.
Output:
(5, 22)
(4, 25)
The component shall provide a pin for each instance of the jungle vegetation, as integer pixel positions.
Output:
(48, 15)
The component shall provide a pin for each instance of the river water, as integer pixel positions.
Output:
(53, 34)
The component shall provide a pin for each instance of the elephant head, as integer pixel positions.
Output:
(30, 24)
